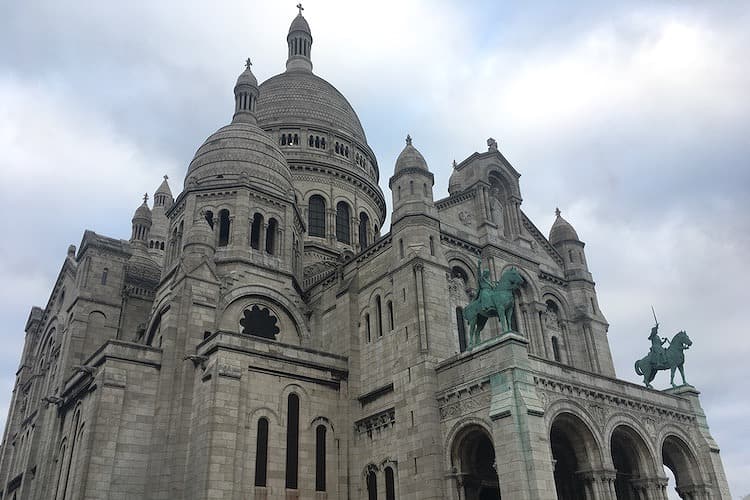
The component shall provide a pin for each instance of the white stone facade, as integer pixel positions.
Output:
(257, 338)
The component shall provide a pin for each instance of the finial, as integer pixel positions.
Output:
(491, 144)
(408, 140)
(248, 63)
(145, 197)
(166, 177)
(300, 7)
(557, 212)
(454, 163)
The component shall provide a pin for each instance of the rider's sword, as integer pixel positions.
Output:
(654, 313)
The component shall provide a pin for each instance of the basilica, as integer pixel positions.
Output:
(262, 335)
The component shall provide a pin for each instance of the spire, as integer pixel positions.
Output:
(245, 95)
(299, 41)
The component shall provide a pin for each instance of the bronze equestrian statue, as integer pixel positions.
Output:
(495, 299)
(658, 358)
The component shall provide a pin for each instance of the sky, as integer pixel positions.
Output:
(631, 116)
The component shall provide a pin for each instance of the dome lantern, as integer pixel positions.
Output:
(299, 41)
(141, 223)
(245, 96)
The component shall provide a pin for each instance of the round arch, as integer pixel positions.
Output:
(575, 449)
(633, 461)
(472, 458)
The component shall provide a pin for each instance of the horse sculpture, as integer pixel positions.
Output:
(672, 358)
(497, 299)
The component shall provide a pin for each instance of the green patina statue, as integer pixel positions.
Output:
(495, 299)
(660, 358)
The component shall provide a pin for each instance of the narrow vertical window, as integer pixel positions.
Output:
(461, 329)
(364, 222)
(223, 228)
(292, 441)
(316, 216)
(320, 458)
(593, 308)
(105, 272)
(432, 245)
(556, 349)
(570, 255)
(379, 308)
(372, 486)
(411, 187)
(367, 326)
(343, 233)
(390, 484)
(261, 453)
(271, 236)
(255, 231)
(401, 248)
(390, 315)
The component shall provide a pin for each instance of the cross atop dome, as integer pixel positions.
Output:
(408, 139)
(145, 197)
(557, 212)
(248, 63)
(300, 7)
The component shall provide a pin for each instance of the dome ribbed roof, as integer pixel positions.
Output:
(299, 24)
(241, 150)
(142, 212)
(562, 231)
(247, 77)
(298, 97)
(410, 157)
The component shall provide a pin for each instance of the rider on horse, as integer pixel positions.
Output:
(486, 285)
(658, 352)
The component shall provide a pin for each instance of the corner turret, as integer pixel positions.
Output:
(565, 239)
(411, 185)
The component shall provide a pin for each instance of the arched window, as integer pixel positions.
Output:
(411, 187)
(556, 349)
(424, 190)
(320, 458)
(223, 228)
(343, 233)
(161, 246)
(364, 221)
(296, 140)
(461, 329)
(255, 231)
(151, 244)
(372, 486)
(323, 143)
(399, 192)
(283, 139)
(316, 216)
(432, 245)
(271, 236)
(292, 441)
(390, 484)
(367, 326)
(379, 308)
(390, 315)
(105, 272)
(209, 215)
(261, 453)
(570, 255)
(311, 141)
(317, 142)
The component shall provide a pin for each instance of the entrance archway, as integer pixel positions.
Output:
(474, 458)
(574, 451)
(676, 456)
(632, 461)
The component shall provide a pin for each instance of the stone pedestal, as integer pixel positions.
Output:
(524, 458)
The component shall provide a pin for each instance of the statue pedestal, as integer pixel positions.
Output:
(496, 339)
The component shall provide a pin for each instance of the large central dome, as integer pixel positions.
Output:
(300, 97)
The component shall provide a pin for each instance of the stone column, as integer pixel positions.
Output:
(518, 429)
(418, 276)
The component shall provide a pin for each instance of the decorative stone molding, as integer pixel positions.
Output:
(465, 399)
(376, 422)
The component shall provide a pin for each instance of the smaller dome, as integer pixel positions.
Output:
(143, 212)
(454, 185)
(410, 158)
(300, 24)
(247, 77)
(562, 230)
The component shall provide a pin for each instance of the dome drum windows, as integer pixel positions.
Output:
(342, 149)
(289, 139)
(364, 223)
(343, 223)
(316, 216)
(317, 142)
